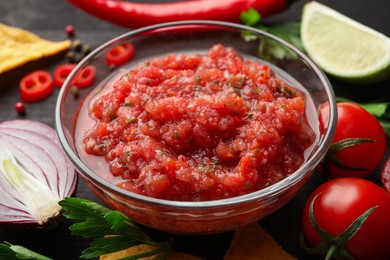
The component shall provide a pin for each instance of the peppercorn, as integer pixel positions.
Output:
(69, 29)
(20, 108)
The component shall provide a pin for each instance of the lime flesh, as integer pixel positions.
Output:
(342, 47)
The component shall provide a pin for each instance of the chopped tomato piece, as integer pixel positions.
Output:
(119, 54)
(36, 86)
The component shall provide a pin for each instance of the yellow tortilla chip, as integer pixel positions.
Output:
(173, 255)
(18, 47)
(252, 242)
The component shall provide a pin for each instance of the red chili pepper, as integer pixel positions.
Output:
(61, 73)
(36, 86)
(135, 15)
(84, 79)
(119, 54)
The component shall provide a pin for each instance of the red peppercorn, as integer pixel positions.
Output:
(69, 29)
(20, 108)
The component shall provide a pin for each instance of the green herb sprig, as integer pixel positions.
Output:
(112, 230)
(9, 251)
(268, 48)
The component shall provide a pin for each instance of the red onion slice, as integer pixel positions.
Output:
(37, 165)
(34, 173)
(33, 126)
(18, 128)
(12, 210)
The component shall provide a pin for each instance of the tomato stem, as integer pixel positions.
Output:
(334, 247)
(331, 155)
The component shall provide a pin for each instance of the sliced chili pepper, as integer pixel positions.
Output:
(119, 54)
(86, 77)
(135, 15)
(36, 86)
(61, 73)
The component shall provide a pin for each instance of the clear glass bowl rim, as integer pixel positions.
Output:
(263, 194)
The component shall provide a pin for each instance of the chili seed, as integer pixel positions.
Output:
(75, 91)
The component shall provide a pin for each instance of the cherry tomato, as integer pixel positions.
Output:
(359, 160)
(84, 79)
(36, 86)
(119, 54)
(61, 73)
(385, 175)
(338, 203)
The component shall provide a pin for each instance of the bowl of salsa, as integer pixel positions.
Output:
(197, 132)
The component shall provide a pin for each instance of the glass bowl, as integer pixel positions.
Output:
(198, 217)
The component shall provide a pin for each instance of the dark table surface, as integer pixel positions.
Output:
(48, 19)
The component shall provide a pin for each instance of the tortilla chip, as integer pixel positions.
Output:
(253, 242)
(18, 47)
(173, 255)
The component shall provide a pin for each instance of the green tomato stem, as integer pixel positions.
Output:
(334, 247)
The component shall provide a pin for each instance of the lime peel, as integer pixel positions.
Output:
(343, 47)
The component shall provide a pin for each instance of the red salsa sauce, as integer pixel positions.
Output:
(196, 127)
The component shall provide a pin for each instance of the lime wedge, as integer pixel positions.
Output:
(343, 47)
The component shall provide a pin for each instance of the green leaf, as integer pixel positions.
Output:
(112, 230)
(123, 225)
(90, 228)
(381, 110)
(106, 245)
(12, 252)
(270, 49)
(386, 126)
(289, 32)
(6, 253)
(81, 209)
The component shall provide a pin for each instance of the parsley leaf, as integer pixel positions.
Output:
(112, 230)
(268, 48)
(12, 252)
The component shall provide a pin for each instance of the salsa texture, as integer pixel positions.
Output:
(197, 127)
